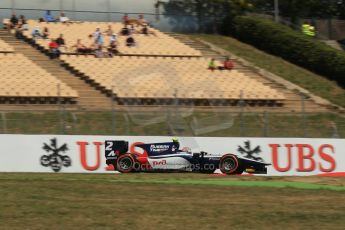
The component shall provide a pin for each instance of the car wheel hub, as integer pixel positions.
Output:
(125, 163)
(229, 164)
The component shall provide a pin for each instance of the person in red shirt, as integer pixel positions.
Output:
(228, 64)
(125, 19)
(54, 49)
(141, 20)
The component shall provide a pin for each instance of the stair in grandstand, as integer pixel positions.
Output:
(293, 103)
(89, 98)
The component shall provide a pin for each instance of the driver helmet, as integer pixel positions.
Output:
(175, 140)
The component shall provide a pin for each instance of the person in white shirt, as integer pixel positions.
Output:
(64, 19)
(113, 38)
(36, 33)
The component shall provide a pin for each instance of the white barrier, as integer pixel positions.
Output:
(85, 154)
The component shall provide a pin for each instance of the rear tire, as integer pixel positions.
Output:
(125, 163)
(230, 165)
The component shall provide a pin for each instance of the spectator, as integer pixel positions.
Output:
(228, 64)
(130, 42)
(80, 48)
(48, 17)
(22, 20)
(21, 27)
(99, 39)
(308, 29)
(112, 49)
(109, 31)
(113, 38)
(141, 20)
(64, 19)
(125, 19)
(125, 31)
(19, 32)
(132, 30)
(145, 30)
(36, 33)
(98, 50)
(60, 40)
(45, 34)
(96, 34)
(54, 49)
(212, 65)
(13, 21)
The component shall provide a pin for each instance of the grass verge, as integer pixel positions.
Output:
(227, 183)
(74, 201)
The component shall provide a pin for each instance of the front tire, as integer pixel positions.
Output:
(230, 165)
(125, 163)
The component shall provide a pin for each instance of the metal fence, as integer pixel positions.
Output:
(109, 10)
(174, 120)
(178, 118)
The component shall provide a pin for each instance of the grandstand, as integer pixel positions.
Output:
(154, 80)
(5, 48)
(163, 68)
(22, 81)
(158, 45)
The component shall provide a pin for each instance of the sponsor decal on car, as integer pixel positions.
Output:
(159, 148)
(157, 163)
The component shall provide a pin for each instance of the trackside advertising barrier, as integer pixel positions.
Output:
(85, 154)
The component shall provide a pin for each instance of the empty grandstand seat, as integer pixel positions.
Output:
(20, 77)
(151, 78)
(5, 48)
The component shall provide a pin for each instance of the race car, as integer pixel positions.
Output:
(168, 157)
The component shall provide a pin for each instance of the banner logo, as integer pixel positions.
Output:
(55, 159)
(248, 152)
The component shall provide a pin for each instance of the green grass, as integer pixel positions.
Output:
(226, 183)
(161, 123)
(75, 201)
(314, 83)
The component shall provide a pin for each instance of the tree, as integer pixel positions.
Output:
(205, 15)
(304, 9)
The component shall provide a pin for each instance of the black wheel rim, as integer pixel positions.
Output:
(125, 163)
(229, 164)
